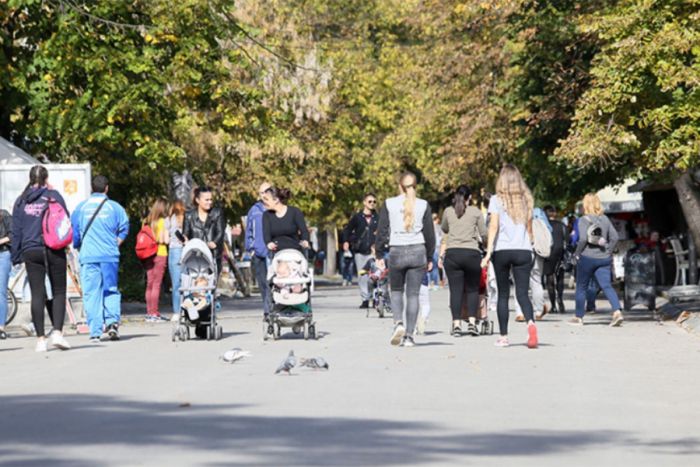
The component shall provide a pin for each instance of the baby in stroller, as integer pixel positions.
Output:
(198, 300)
(379, 279)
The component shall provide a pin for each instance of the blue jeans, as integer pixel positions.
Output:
(260, 268)
(5, 268)
(435, 273)
(101, 295)
(174, 269)
(600, 269)
(346, 265)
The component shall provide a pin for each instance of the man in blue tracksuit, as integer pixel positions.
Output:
(255, 245)
(99, 258)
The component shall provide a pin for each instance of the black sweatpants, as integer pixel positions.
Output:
(555, 288)
(36, 261)
(520, 262)
(463, 268)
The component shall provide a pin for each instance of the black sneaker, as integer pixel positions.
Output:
(456, 331)
(95, 340)
(113, 332)
(472, 330)
(364, 305)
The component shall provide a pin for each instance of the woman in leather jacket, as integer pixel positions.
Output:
(206, 223)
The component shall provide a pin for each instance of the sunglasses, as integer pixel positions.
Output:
(372, 201)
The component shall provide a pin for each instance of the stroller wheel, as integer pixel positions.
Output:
(175, 335)
(312, 331)
(183, 332)
(201, 331)
(278, 331)
(306, 331)
(297, 329)
(219, 332)
(380, 311)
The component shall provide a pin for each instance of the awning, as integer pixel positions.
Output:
(619, 198)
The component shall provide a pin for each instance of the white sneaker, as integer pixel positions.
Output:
(28, 329)
(58, 341)
(420, 325)
(399, 332)
(175, 318)
(41, 345)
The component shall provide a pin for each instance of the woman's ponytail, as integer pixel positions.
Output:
(408, 186)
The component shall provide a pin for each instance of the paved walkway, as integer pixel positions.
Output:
(588, 396)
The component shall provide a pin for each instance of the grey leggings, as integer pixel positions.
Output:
(407, 265)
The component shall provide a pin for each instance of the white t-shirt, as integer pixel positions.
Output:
(511, 236)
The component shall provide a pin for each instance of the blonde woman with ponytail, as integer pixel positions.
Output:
(510, 247)
(406, 231)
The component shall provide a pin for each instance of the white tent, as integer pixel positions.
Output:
(11, 154)
(618, 198)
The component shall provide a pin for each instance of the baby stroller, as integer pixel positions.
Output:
(291, 283)
(197, 293)
(379, 279)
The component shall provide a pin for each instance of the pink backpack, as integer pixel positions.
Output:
(55, 226)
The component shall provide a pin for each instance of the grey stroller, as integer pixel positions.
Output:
(197, 293)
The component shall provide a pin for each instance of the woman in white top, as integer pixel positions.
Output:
(510, 245)
(406, 230)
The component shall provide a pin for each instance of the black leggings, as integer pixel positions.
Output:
(520, 262)
(555, 289)
(463, 268)
(35, 261)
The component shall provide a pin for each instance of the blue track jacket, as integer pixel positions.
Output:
(254, 240)
(100, 245)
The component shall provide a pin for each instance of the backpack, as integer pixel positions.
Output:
(146, 244)
(543, 238)
(594, 233)
(56, 228)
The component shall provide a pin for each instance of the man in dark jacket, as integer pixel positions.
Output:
(358, 237)
(255, 245)
(553, 268)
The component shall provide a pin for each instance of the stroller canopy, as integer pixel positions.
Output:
(196, 256)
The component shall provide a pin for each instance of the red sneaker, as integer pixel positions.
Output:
(531, 336)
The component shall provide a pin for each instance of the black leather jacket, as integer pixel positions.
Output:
(213, 230)
(5, 229)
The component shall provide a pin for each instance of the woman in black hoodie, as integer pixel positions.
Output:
(28, 247)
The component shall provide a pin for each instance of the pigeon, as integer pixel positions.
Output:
(233, 355)
(316, 363)
(288, 363)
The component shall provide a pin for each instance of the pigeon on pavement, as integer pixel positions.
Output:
(288, 363)
(233, 355)
(316, 363)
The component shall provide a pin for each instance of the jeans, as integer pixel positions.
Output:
(363, 280)
(586, 270)
(174, 270)
(101, 295)
(406, 269)
(536, 287)
(5, 268)
(36, 261)
(155, 270)
(463, 268)
(346, 265)
(520, 263)
(260, 268)
(435, 273)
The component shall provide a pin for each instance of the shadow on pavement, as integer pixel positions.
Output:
(96, 422)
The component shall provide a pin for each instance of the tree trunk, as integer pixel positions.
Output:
(689, 197)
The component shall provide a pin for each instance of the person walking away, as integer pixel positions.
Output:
(435, 272)
(536, 274)
(5, 266)
(207, 223)
(596, 243)
(553, 266)
(255, 245)
(510, 246)
(283, 226)
(406, 230)
(100, 226)
(174, 225)
(464, 229)
(155, 265)
(359, 236)
(28, 245)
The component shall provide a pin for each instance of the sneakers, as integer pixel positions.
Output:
(617, 319)
(58, 341)
(532, 336)
(502, 342)
(520, 318)
(364, 305)
(175, 318)
(41, 345)
(456, 331)
(113, 332)
(408, 342)
(155, 318)
(575, 321)
(28, 329)
(472, 330)
(399, 332)
(95, 340)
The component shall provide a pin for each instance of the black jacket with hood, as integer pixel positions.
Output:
(26, 220)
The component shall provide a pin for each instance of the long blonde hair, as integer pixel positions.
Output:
(407, 182)
(158, 211)
(514, 194)
(592, 205)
